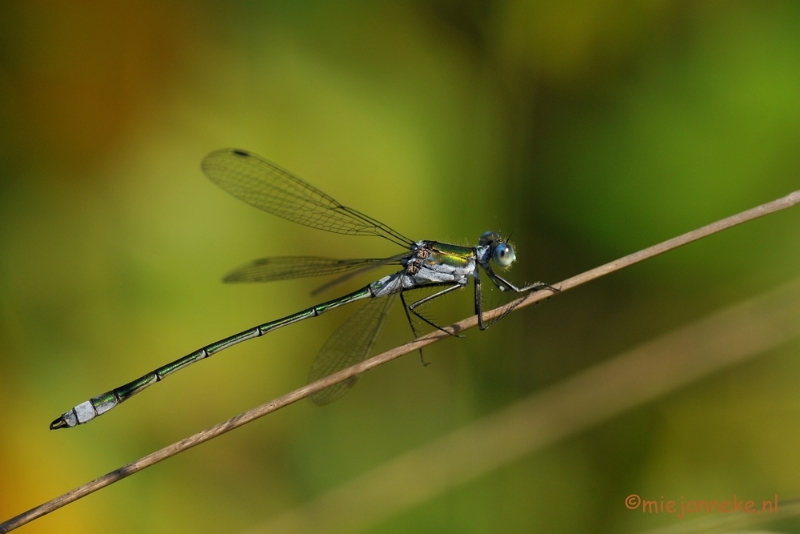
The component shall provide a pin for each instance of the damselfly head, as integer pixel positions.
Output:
(502, 253)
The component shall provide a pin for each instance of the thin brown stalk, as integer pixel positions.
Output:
(592, 396)
(300, 393)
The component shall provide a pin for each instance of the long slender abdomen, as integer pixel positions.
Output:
(88, 410)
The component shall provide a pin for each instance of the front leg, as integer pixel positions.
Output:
(537, 286)
(503, 285)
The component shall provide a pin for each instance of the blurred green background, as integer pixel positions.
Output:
(588, 129)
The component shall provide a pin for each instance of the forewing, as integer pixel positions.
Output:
(350, 344)
(266, 186)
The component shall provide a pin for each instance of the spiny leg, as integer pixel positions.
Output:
(537, 286)
(413, 328)
(503, 284)
(429, 298)
(479, 306)
(478, 302)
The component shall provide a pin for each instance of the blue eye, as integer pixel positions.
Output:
(503, 255)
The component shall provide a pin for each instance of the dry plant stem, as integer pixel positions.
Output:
(244, 418)
(587, 398)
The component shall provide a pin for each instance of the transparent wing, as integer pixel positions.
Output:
(287, 267)
(350, 344)
(360, 271)
(268, 187)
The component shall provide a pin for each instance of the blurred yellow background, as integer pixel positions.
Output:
(587, 129)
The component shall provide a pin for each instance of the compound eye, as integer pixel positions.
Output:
(503, 255)
(488, 238)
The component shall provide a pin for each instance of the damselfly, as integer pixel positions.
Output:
(425, 264)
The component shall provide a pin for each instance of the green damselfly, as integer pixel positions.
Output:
(425, 264)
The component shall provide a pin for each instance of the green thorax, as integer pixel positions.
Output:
(453, 255)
